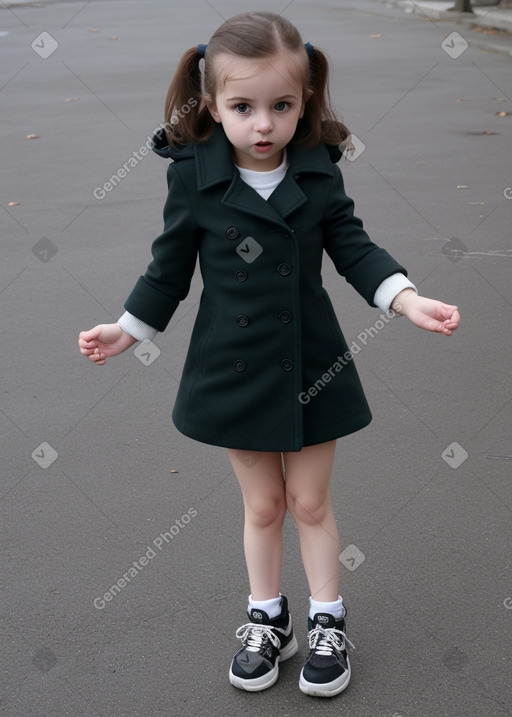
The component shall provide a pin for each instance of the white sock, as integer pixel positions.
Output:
(272, 607)
(336, 608)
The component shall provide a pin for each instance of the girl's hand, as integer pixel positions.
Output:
(104, 340)
(428, 314)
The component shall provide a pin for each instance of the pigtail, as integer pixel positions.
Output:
(320, 124)
(187, 119)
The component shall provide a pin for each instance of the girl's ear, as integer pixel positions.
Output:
(212, 107)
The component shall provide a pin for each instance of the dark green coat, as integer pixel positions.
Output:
(266, 331)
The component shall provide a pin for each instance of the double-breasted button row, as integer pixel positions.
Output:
(286, 364)
(241, 275)
(243, 320)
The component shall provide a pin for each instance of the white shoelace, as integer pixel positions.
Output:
(254, 636)
(325, 640)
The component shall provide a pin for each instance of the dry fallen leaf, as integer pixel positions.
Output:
(487, 30)
(93, 29)
(377, 35)
(503, 114)
(462, 186)
(32, 136)
(14, 204)
(114, 37)
(72, 99)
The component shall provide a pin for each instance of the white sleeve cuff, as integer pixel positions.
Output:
(136, 328)
(389, 288)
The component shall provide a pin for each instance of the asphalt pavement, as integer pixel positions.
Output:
(123, 579)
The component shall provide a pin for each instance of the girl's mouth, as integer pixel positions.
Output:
(263, 146)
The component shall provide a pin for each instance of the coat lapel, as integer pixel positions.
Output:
(215, 165)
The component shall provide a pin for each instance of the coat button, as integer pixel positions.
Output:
(287, 364)
(241, 275)
(284, 269)
(285, 317)
(239, 365)
(232, 233)
(242, 320)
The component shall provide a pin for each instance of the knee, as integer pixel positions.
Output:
(265, 511)
(309, 509)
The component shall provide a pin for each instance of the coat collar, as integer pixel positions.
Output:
(214, 164)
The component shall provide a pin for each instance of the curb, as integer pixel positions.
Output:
(483, 18)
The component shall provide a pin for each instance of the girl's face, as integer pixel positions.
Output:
(258, 105)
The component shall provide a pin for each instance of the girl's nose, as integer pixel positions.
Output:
(263, 123)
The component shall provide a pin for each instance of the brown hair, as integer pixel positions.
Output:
(255, 34)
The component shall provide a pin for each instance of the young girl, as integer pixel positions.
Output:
(255, 193)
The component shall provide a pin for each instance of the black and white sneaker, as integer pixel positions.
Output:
(327, 671)
(265, 642)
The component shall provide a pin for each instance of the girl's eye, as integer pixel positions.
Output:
(242, 108)
(281, 106)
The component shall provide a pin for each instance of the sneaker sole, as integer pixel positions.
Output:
(265, 681)
(327, 689)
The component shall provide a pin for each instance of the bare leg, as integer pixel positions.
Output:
(308, 498)
(260, 476)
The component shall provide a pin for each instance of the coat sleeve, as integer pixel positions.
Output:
(156, 295)
(363, 264)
